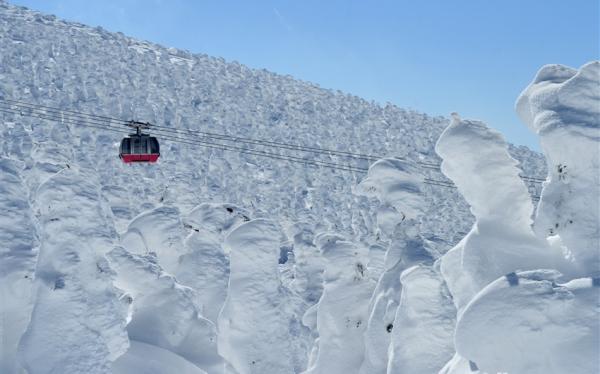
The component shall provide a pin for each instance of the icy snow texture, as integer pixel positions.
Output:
(537, 326)
(253, 325)
(342, 312)
(77, 324)
(158, 231)
(17, 262)
(398, 185)
(562, 105)
(163, 313)
(423, 325)
(501, 240)
(149, 359)
(528, 321)
(410, 301)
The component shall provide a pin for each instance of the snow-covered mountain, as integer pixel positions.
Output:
(215, 261)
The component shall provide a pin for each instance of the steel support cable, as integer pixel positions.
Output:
(266, 154)
(169, 136)
(67, 121)
(105, 121)
(35, 106)
(170, 131)
(202, 144)
(219, 136)
(295, 147)
(60, 117)
(124, 131)
(206, 134)
(448, 185)
(121, 130)
(208, 145)
(224, 137)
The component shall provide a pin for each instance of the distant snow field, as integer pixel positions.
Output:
(220, 262)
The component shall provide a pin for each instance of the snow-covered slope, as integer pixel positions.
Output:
(218, 262)
(51, 62)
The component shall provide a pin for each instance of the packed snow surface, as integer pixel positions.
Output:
(219, 262)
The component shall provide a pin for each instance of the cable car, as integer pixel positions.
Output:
(139, 147)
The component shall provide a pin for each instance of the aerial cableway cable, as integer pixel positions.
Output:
(202, 139)
(170, 134)
(218, 136)
(104, 120)
(59, 117)
(224, 147)
(200, 143)
(213, 135)
(227, 137)
(121, 130)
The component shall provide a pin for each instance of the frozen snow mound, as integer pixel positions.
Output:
(476, 158)
(397, 184)
(562, 105)
(205, 264)
(410, 301)
(308, 263)
(158, 231)
(424, 323)
(18, 254)
(526, 322)
(563, 97)
(342, 312)
(253, 324)
(150, 359)
(216, 218)
(162, 312)
(77, 324)
(514, 315)
(205, 268)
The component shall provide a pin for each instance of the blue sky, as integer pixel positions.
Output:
(435, 56)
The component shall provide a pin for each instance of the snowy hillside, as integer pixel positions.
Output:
(66, 65)
(222, 262)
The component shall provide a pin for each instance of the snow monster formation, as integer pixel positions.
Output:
(209, 262)
(527, 291)
(410, 300)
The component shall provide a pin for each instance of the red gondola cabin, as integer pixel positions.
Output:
(139, 148)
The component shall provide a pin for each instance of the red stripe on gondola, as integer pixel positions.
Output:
(153, 157)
